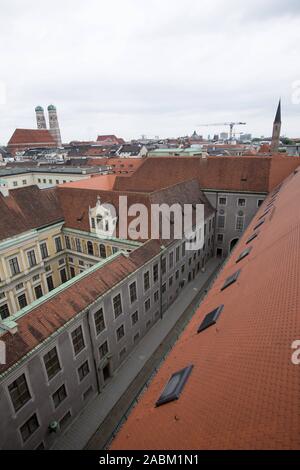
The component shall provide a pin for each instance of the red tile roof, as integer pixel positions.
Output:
(38, 324)
(119, 165)
(30, 137)
(243, 392)
(110, 139)
(28, 208)
(258, 174)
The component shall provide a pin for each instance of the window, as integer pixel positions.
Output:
(155, 273)
(115, 249)
(52, 364)
(163, 265)
(156, 296)
(58, 244)
(183, 249)
(244, 254)
(254, 235)
(132, 292)
(147, 305)
(50, 283)
(146, 281)
(48, 268)
(24, 182)
(90, 248)
(38, 291)
(182, 269)
(50, 181)
(44, 250)
(239, 224)
(210, 319)
(14, 266)
(103, 350)
(56, 181)
(83, 370)
(134, 318)
(171, 260)
(63, 275)
(22, 300)
(99, 321)
(120, 332)
(19, 392)
(222, 201)
(163, 288)
(4, 311)
(177, 274)
(78, 340)
(259, 202)
(170, 281)
(61, 261)
(68, 244)
(230, 280)
(78, 245)
(29, 427)
(241, 202)
(39, 180)
(175, 386)
(72, 271)
(220, 238)
(102, 251)
(64, 420)
(177, 254)
(19, 286)
(44, 180)
(117, 304)
(221, 221)
(59, 396)
(15, 183)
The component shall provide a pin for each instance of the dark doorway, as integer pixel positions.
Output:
(106, 372)
(233, 243)
(219, 252)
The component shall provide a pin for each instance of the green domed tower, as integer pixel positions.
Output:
(53, 124)
(40, 118)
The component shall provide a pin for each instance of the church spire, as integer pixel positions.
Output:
(276, 130)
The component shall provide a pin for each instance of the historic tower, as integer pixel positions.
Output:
(276, 130)
(40, 118)
(53, 124)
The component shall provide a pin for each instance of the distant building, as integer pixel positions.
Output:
(53, 125)
(110, 140)
(276, 130)
(23, 139)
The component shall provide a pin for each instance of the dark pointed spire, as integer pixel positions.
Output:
(278, 114)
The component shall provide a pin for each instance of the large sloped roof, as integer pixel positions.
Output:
(243, 391)
(31, 137)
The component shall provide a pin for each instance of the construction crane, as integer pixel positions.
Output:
(230, 124)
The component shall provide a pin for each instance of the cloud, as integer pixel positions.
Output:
(132, 67)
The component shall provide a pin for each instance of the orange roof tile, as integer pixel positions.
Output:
(243, 391)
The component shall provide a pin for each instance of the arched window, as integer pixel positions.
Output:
(90, 248)
(102, 250)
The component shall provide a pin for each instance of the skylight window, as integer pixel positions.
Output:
(244, 254)
(175, 386)
(252, 237)
(259, 224)
(231, 279)
(210, 319)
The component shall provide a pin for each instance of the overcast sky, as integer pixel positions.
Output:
(154, 67)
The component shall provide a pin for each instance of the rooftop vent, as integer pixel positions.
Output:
(175, 386)
(231, 279)
(259, 224)
(210, 319)
(244, 254)
(254, 235)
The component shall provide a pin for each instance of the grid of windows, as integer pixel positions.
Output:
(78, 340)
(99, 321)
(31, 258)
(22, 300)
(4, 311)
(117, 304)
(83, 370)
(29, 427)
(59, 396)
(146, 281)
(44, 250)
(58, 244)
(120, 332)
(133, 292)
(134, 318)
(103, 350)
(52, 364)
(19, 392)
(155, 273)
(14, 266)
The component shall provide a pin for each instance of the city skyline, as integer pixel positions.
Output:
(132, 69)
